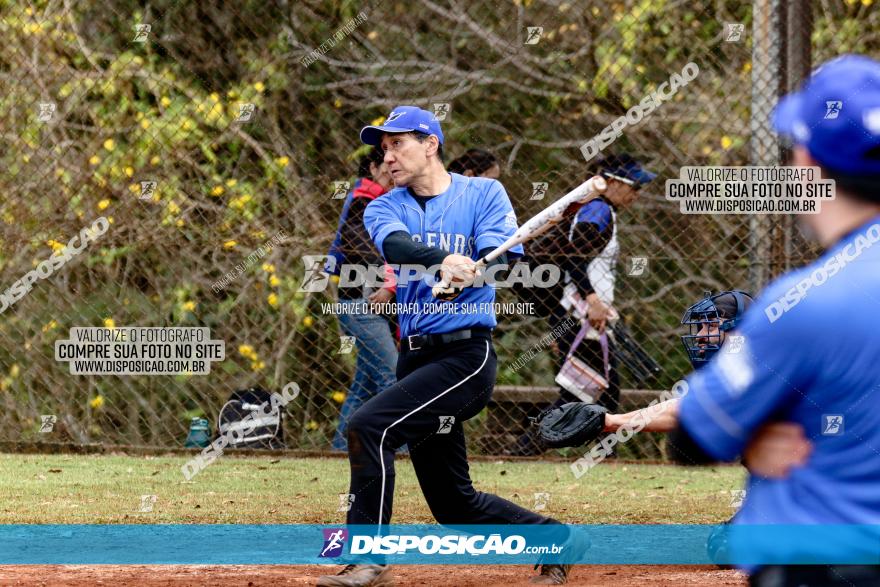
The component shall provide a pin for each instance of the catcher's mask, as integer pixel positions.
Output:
(709, 320)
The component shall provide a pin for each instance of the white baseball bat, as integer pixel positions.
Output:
(538, 224)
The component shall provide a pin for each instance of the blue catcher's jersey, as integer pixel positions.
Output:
(808, 354)
(474, 213)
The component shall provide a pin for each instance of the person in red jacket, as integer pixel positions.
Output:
(376, 349)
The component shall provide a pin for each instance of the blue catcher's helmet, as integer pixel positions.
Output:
(709, 320)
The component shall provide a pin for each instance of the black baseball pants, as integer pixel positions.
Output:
(433, 383)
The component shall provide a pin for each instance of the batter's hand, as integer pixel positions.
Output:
(458, 270)
(776, 449)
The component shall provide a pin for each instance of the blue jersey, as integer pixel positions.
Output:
(809, 354)
(597, 212)
(473, 214)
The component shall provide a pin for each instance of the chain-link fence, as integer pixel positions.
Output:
(216, 139)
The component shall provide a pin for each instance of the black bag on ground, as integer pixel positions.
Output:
(249, 414)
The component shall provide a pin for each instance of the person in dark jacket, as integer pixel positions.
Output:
(584, 245)
(372, 333)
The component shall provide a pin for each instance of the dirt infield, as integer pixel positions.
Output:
(259, 576)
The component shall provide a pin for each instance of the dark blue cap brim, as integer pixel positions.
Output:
(372, 135)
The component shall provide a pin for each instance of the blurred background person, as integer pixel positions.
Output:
(476, 163)
(376, 348)
(585, 247)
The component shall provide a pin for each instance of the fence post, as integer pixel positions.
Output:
(767, 53)
(798, 62)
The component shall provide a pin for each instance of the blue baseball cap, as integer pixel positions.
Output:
(836, 115)
(403, 119)
(625, 168)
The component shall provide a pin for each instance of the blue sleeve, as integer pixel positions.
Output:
(596, 212)
(761, 370)
(496, 220)
(382, 217)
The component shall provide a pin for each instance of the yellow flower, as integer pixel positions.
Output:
(229, 244)
(231, 94)
(338, 397)
(230, 183)
(215, 96)
(109, 144)
(155, 160)
(706, 150)
(377, 121)
(240, 201)
(56, 246)
(214, 113)
(274, 281)
(109, 220)
(94, 160)
(726, 142)
(97, 402)
(312, 425)
(268, 267)
(129, 171)
(217, 191)
(259, 86)
(188, 124)
(109, 323)
(50, 325)
(337, 103)
(134, 188)
(165, 101)
(145, 124)
(246, 350)
(173, 208)
(308, 321)
(179, 223)
(272, 299)
(282, 161)
(258, 366)
(189, 306)
(867, 2)
(103, 204)
(334, 278)
(14, 371)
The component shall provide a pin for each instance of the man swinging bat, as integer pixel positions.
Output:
(447, 364)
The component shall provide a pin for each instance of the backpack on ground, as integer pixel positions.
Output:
(248, 412)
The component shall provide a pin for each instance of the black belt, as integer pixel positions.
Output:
(417, 342)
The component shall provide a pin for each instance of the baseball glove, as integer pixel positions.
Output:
(572, 424)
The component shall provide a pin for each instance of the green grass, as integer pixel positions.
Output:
(107, 489)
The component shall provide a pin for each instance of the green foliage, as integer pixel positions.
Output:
(167, 110)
